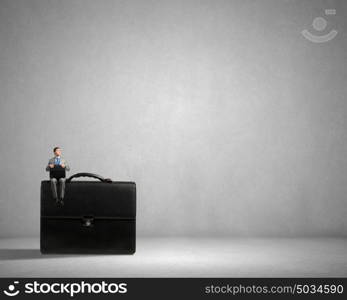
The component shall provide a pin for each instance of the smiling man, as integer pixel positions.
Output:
(57, 160)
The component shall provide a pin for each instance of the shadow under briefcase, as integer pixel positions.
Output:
(97, 217)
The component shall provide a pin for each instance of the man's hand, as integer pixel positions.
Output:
(63, 165)
(51, 165)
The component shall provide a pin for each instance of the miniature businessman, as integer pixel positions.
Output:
(57, 160)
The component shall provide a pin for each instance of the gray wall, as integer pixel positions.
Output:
(227, 118)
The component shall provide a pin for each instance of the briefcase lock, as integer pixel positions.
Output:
(88, 221)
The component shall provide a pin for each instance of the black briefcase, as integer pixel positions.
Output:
(97, 217)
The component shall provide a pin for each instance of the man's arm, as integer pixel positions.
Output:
(66, 165)
(48, 167)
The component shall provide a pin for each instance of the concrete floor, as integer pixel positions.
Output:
(185, 257)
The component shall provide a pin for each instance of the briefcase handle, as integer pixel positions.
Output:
(89, 175)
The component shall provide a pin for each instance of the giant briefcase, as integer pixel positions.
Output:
(97, 217)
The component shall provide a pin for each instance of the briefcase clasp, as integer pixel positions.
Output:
(88, 221)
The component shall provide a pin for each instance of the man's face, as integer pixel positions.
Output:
(57, 152)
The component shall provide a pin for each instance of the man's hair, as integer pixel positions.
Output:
(55, 148)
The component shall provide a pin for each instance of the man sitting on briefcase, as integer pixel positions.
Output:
(57, 167)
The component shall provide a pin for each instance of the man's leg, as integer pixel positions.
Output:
(54, 188)
(62, 188)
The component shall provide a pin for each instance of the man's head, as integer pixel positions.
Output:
(57, 151)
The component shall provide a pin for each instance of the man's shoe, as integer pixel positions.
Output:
(59, 202)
